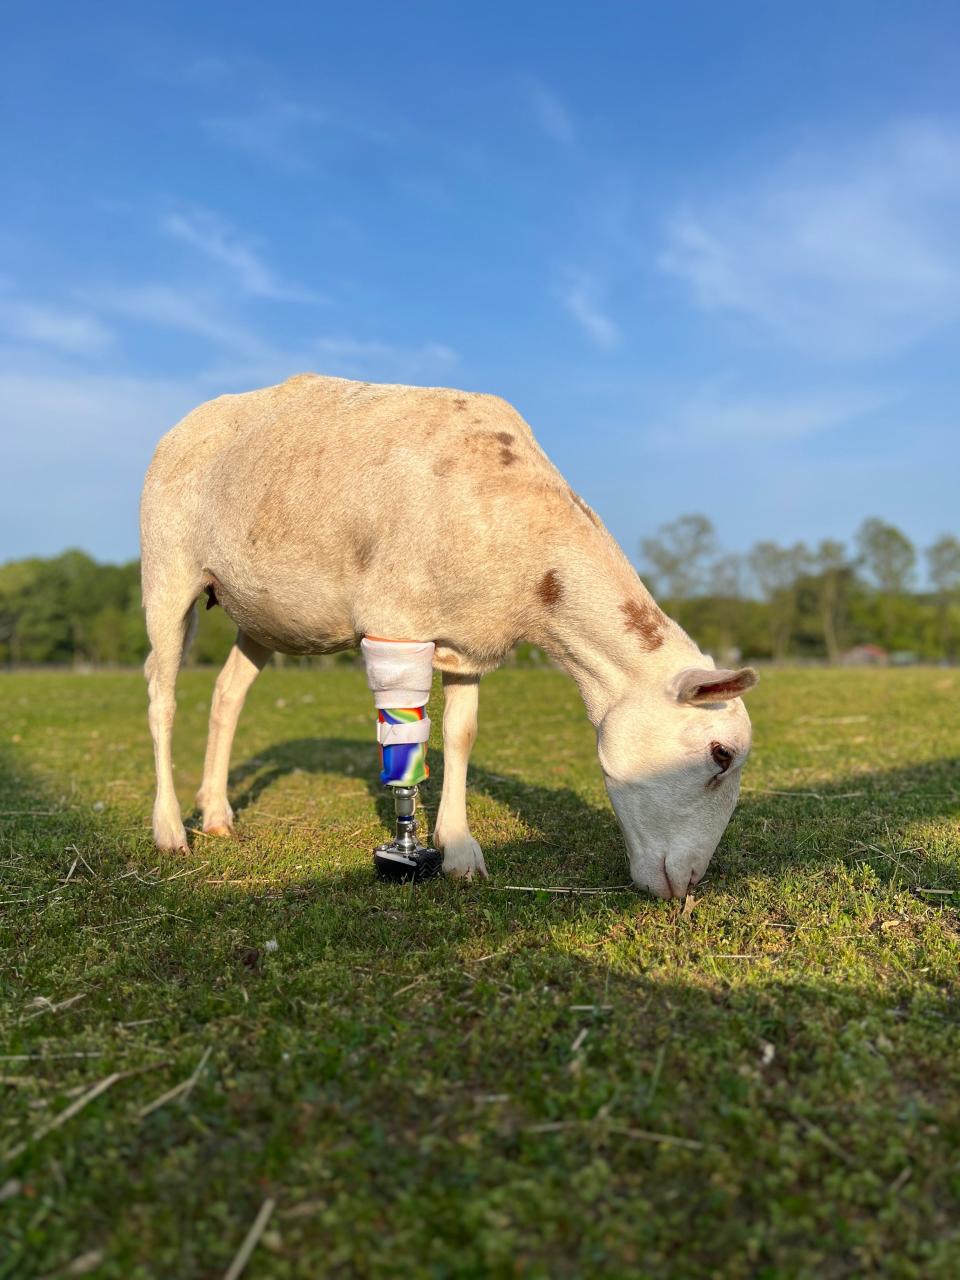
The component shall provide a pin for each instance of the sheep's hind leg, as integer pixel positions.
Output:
(244, 664)
(170, 626)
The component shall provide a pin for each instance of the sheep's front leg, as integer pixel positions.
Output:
(461, 853)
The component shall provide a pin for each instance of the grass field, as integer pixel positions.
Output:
(455, 1081)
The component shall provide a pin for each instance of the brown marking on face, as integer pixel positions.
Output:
(477, 422)
(505, 437)
(646, 621)
(507, 458)
(459, 404)
(550, 589)
(443, 465)
(587, 511)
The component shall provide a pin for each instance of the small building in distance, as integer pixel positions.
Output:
(865, 655)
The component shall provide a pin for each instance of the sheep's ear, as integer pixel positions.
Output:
(697, 687)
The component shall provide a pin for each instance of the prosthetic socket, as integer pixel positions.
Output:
(400, 673)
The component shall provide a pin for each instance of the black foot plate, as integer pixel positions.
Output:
(394, 863)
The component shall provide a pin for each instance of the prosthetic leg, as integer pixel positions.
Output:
(399, 674)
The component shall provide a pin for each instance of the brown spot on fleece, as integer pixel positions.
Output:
(550, 589)
(363, 553)
(645, 621)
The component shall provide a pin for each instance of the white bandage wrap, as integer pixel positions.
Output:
(389, 735)
(400, 673)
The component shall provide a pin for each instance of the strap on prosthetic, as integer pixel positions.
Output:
(400, 673)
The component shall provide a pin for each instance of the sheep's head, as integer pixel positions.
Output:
(672, 758)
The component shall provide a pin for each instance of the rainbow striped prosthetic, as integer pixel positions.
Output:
(402, 764)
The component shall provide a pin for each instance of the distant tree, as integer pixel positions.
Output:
(678, 558)
(777, 571)
(887, 554)
(943, 566)
(215, 636)
(17, 579)
(829, 561)
(105, 636)
(889, 558)
(726, 592)
(726, 576)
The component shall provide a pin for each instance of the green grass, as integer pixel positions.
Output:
(385, 1074)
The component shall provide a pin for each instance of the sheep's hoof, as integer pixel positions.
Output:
(218, 829)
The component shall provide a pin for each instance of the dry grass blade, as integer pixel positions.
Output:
(410, 985)
(235, 1270)
(181, 1090)
(667, 1139)
(807, 795)
(555, 1126)
(72, 848)
(78, 1105)
(639, 1135)
(48, 1057)
(67, 1114)
(42, 1005)
(29, 813)
(179, 875)
(85, 1263)
(543, 888)
(826, 1141)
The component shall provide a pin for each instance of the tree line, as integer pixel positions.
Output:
(773, 601)
(70, 610)
(806, 602)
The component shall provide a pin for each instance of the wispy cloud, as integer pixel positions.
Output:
(849, 252)
(342, 356)
(182, 309)
(579, 294)
(549, 112)
(278, 130)
(217, 240)
(244, 359)
(212, 70)
(78, 442)
(724, 420)
(341, 353)
(56, 327)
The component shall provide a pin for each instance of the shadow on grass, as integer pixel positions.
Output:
(320, 1044)
(558, 817)
(839, 819)
(851, 818)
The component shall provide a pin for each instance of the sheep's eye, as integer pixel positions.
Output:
(722, 756)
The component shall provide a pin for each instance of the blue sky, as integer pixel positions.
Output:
(711, 252)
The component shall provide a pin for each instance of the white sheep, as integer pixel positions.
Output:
(322, 510)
